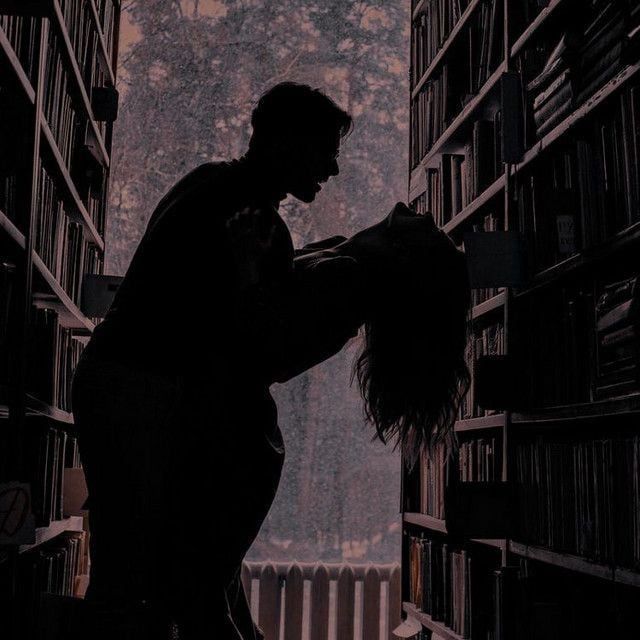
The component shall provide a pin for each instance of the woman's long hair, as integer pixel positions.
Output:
(411, 370)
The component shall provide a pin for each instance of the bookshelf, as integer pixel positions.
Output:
(58, 101)
(525, 117)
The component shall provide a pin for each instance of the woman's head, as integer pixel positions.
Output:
(411, 370)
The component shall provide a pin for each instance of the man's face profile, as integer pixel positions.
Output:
(311, 161)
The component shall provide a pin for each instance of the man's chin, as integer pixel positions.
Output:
(305, 196)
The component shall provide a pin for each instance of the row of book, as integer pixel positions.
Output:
(58, 106)
(15, 156)
(8, 191)
(434, 471)
(462, 177)
(440, 583)
(558, 362)
(479, 460)
(84, 37)
(7, 286)
(580, 497)
(595, 185)
(486, 341)
(56, 567)
(443, 96)
(587, 55)
(617, 366)
(591, 345)
(54, 353)
(45, 453)
(107, 14)
(430, 30)
(23, 35)
(78, 20)
(523, 13)
(60, 242)
(454, 585)
(96, 208)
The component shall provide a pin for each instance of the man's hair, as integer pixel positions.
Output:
(298, 109)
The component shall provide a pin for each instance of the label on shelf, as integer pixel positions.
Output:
(17, 524)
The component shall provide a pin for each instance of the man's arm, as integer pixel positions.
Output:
(287, 325)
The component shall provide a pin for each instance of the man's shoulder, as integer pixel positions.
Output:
(207, 174)
(209, 183)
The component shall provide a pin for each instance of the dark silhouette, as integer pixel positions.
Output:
(178, 431)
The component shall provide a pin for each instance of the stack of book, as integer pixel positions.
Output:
(22, 33)
(434, 471)
(602, 49)
(618, 340)
(626, 516)
(96, 208)
(551, 91)
(44, 449)
(568, 495)
(72, 264)
(54, 353)
(452, 587)
(7, 277)
(106, 11)
(581, 61)
(420, 204)
(60, 241)
(53, 568)
(479, 460)
(52, 222)
(429, 31)
(558, 369)
(57, 103)
(462, 177)
(444, 95)
(441, 583)
(596, 185)
(485, 44)
(13, 156)
(487, 341)
(79, 23)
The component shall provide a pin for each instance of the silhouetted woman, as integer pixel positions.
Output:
(178, 432)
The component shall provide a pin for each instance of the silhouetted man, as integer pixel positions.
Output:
(178, 432)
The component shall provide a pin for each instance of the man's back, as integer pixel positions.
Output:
(172, 305)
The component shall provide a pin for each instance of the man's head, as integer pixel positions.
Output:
(296, 137)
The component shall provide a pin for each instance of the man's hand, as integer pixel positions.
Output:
(251, 234)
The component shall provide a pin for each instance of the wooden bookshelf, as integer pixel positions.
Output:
(493, 304)
(494, 421)
(477, 205)
(564, 128)
(436, 524)
(458, 129)
(595, 428)
(540, 22)
(44, 534)
(446, 46)
(10, 59)
(569, 414)
(51, 231)
(429, 622)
